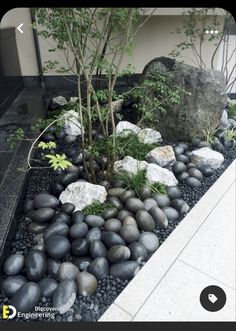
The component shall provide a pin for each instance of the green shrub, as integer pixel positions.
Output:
(158, 188)
(133, 182)
(232, 110)
(96, 208)
(230, 135)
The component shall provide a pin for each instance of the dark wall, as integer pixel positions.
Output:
(10, 74)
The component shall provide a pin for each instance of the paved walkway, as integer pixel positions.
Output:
(199, 253)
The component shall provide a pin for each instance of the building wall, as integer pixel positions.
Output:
(154, 39)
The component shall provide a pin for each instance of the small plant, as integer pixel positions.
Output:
(47, 145)
(232, 110)
(14, 138)
(58, 161)
(209, 135)
(133, 182)
(96, 208)
(158, 188)
(230, 135)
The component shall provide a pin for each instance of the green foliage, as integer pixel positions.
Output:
(158, 188)
(102, 96)
(125, 145)
(133, 182)
(209, 135)
(230, 135)
(232, 110)
(96, 208)
(47, 145)
(155, 93)
(14, 138)
(58, 161)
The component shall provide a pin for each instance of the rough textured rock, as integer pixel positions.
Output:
(206, 157)
(155, 173)
(82, 194)
(162, 156)
(117, 104)
(196, 112)
(72, 124)
(224, 124)
(60, 100)
(149, 136)
(125, 128)
(129, 165)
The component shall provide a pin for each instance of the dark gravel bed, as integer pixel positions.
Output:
(90, 308)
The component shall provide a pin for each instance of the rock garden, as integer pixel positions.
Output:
(103, 193)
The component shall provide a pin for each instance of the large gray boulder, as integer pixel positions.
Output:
(199, 111)
(206, 157)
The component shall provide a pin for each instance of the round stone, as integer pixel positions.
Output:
(57, 246)
(26, 298)
(159, 217)
(171, 213)
(150, 241)
(178, 167)
(149, 203)
(86, 283)
(77, 216)
(68, 208)
(68, 178)
(138, 252)
(129, 220)
(173, 192)
(106, 184)
(42, 215)
(78, 230)
(116, 192)
(127, 195)
(161, 199)
(93, 234)
(183, 176)
(79, 247)
(35, 264)
(97, 249)
(64, 296)
(196, 142)
(178, 150)
(109, 213)
(112, 224)
(191, 165)
(13, 264)
(52, 267)
(193, 182)
(77, 159)
(82, 262)
(94, 221)
(59, 228)
(134, 204)
(129, 233)
(39, 247)
(62, 217)
(111, 238)
(56, 189)
(45, 200)
(145, 220)
(12, 284)
(124, 270)
(182, 158)
(184, 146)
(36, 228)
(193, 172)
(204, 144)
(115, 202)
(118, 253)
(207, 171)
(28, 206)
(67, 270)
(99, 267)
(144, 193)
(123, 213)
(47, 287)
(180, 205)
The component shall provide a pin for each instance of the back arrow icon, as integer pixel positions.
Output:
(19, 28)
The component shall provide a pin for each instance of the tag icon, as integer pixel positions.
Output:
(212, 297)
